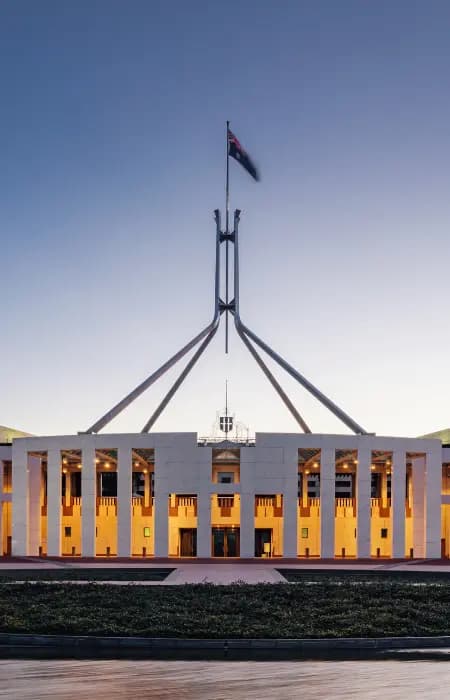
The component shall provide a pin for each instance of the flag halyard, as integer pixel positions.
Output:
(236, 151)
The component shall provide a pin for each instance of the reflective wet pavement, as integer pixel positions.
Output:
(212, 680)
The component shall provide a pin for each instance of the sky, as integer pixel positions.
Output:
(112, 142)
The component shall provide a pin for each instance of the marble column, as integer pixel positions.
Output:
(161, 519)
(398, 501)
(290, 523)
(34, 505)
(124, 478)
(54, 502)
(247, 525)
(327, 502)
(363, 491)
(203, 524)
(433, 488)
(88, 502)
(290, 503)
(418, 507)
(19, 499)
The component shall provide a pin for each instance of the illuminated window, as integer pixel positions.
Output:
(304, 533)
(146, 532)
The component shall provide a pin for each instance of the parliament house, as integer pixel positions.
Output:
(172, 495)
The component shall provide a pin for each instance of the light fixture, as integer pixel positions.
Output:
(64, 471)
(373, 467)
(345, 466)
(65, 460)
(306, 471)
(316, 465)
(145, 471)
(97, 460)
(79, 466)
(136, 464)
(107, 465)
(355, 461)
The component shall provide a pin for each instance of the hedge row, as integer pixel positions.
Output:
(321, 609)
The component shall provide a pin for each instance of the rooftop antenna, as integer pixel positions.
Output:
(248, 337)
(226, 421)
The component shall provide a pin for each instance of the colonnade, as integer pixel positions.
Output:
(270, 466)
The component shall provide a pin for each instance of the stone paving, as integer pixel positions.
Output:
(225, 572)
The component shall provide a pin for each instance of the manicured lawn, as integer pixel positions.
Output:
(327, 608)
(79, 574)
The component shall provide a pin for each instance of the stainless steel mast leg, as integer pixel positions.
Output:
(274, 383)
(241, 328)
(178, 382)
(338, 412)
(133, 395)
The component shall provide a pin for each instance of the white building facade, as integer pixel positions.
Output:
(165, 495)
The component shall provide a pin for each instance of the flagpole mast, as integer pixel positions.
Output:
(227, 220)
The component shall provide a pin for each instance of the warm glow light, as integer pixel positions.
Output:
(145, 471)
(373, 467)
(64, 471)
(107, 465)
(345, 466)
(65, 460)
(316, 465)
(97, 460)
(306, 471)
(388, 471)
(79, 466)
(355, 461)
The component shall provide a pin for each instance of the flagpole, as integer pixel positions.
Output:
(227, 219)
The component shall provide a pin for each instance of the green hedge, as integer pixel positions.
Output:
(321, 609)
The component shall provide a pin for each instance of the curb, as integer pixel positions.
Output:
(176, 644)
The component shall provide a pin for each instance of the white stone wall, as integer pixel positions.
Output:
(269, 467)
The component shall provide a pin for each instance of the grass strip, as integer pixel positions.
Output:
(325, 609)
(346, 575)
(86, 574)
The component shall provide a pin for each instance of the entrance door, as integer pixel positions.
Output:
(263, 542)
(225, 542)
(188, 542)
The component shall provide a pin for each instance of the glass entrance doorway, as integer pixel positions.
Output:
(188, 542)
(225, 542)
(263, 542)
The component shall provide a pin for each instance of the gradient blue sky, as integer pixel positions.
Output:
(112, 161)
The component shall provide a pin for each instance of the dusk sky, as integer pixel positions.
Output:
(112, 145)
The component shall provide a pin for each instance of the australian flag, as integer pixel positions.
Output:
(236, 151)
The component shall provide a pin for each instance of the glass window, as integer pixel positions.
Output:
(138, 483)
(75, 484)
(109, 484)
(146, 532)
(225, 478)
(384, 533)
(304, 533)
(67, 532)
